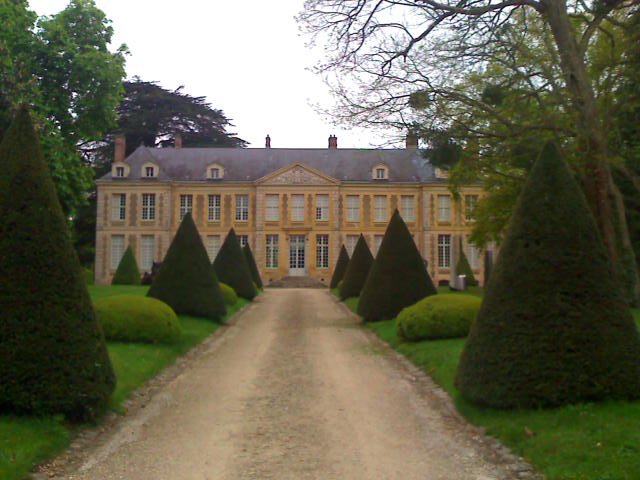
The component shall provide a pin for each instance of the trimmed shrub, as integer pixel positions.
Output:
(127, 272)
(448, 315)
(357, 270)
(398, 277)
(186, 280)
(554, 327)
(231, 267)
(253, 268)
(340, 268)
(53, 357)
(229, 294)
(132, 318)
(463, 268)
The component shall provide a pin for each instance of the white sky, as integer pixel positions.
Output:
(246, 57)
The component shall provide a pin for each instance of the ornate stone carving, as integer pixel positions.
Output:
(298, 176)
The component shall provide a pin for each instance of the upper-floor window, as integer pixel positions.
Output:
(242, 208)
(408, 208)
(380, 172)
(149, 172)
(322, 207)
(444, 208)
(380, 208)
(444, 251)
(118, 206)
(322, 251)
(353, 208)
(297, 208)
(213, 214)
(215, 172)
(119, 171)
(148, 206)
(272, 212)
(470, 202)
(244, 240)
(186, 205)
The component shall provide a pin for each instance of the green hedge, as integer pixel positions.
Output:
(229, 294)
(448, 315)
(132, 318)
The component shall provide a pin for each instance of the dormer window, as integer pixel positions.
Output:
(120, 172)
(149, 172)
(215, 172)
(380, 172)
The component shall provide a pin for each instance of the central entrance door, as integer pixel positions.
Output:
(296, 255)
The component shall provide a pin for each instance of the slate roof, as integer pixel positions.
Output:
(250, 164)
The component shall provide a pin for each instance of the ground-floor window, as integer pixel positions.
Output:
(271, 251)
(473, 255)
(322, 251)
(444, 251)
(350, 243)
(147, 252)
(244, 240)
(377, 241)
(213, 246)
(117, 250)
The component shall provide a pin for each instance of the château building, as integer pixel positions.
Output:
(295, 207)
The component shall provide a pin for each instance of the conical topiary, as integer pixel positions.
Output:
(53, 356)
(251, 263)
(340, 268)
(398, 277)
(488, 267)
(463, 268)
(357, 270)
(554, 327)
(186, 280)
(231, 267)
(127, 272)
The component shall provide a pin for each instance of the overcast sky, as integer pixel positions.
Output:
(246, 58)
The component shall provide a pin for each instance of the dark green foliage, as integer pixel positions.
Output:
(341, 267)
(229, 294)
(357, 270)
(127, 272)
(554, 327)
(186, 280)
(231, 267)
(398, 277)
(463, 268)
(53, 357)
(253, 268)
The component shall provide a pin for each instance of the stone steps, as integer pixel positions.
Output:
(296, 282)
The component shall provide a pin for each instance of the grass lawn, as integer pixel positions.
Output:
(28, 441)
(591, 441)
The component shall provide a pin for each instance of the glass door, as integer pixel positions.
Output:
(297, 255)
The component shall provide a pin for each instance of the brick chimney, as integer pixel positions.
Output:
(177, 140)
(333, 141)
(267, 141)
(411, 141)
(120, 147)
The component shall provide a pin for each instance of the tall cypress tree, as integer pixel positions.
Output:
(231, 267)
(186, 280)
(357, 270)
(340, 268)
(398, 277)
(554, 327)
(251, 263)
(53, 356)
(127, 272)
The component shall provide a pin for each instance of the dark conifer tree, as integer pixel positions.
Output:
(398, 277)
(231, 267)
(251, 263)
(186, 280)
(357, 270)
(554, 327)
(340, 268)
(463, 268)
(53, 356)
(127, 272)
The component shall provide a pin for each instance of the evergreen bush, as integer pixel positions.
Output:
(398, 277)
(357, 270)
(253, 268)
(127, 272)
(463, 268)
(231, 267)
(554, 327)
(229, 294)
(186, 280)
(340, 268)
(488, 267)
(53, 356)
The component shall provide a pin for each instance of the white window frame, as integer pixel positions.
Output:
(408, 208)
(444, 251)
(272, 207)
(242, 207)
(147, 251)
(186, 205)
(272, 250)
(322, 251)
(117, 250)
(470, 202)
(350, 243)
(213, 246)
(119, 206)
(380, 205)
(297, 207)
(149, 169)
(243, 240)
(214, 173)
(322, 207)
(353, 208)
(444, 208)
(148, 206)
(120, 172)
(214, 207)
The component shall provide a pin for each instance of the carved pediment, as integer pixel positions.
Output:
(297, 175)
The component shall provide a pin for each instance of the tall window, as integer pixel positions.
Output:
(186, 205)
(272, 251)
(473, 255)
(148, 206)
(377, 241)
(444, 251)
(353, 208)
(213, 246)
(272, 213)
(380, 208)
(147, 250)
(214, 208)
(322, 207)
(408, 208)
(118, 206)
(297, 208)
(470, 202)
(242, 208)
(244, 240)
(350, 243)
(119, 171)
(117, 250)
(444, 208)
(322, 251)
(149, 171)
